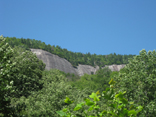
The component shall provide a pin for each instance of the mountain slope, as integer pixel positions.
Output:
(55, 62)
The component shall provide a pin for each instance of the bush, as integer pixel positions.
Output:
(117, 105)
(28, 72)
(138, 78)
(50, 98)
(6, 82)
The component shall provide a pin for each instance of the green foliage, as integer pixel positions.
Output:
(117, 105)
(71, 76)
(114, 74)
(84, 82)
(6, 82)
(138, 78)
(20, 74)
(103, 72)
(50, 98)
(98, 81)
(28, 73)
(102, 78)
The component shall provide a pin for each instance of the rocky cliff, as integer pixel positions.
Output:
(82, 69)
(55, 62)
(115, 67)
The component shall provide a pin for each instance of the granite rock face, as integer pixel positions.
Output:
(82, 69)
(55, 62)
(115, 67)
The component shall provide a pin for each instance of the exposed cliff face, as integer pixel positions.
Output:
(82, 69)
(115, 67)
(55, 62)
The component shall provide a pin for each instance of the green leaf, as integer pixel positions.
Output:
(132, 112)
(91, 108)
(119, 95)
(131, 102)
(96, 107)
(94, 96)
(123, 100)
(111, 82)
(98, 92)
(139, 108)
(65, 109)
(103, 112)
(68, 101)
(78, 106)
(88, 102)
(61, 113)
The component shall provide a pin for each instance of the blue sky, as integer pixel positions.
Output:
(95, 26)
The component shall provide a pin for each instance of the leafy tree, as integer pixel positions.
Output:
(114, 74)
(29, 72)
(6, 82)
(20, 74)
(138, 78)
(103, 72)
(85, 81)
(116, 105)
(98, 81)
(50, 98)
(102, 78)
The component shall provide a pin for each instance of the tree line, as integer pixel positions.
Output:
(74, 58)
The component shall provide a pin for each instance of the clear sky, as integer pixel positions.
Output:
(95, 26)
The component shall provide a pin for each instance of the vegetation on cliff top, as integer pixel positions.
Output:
(74, 58)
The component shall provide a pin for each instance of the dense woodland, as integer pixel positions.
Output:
(74, 58)
(28, 90)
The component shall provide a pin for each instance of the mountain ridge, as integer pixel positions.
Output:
(55, 62)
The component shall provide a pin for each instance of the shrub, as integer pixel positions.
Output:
(50, 98)
(6, 82)
(138, 78)
(117, 105)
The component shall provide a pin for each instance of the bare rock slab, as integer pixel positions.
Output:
(53, 61)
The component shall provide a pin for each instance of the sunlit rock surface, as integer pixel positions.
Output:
(55, 62)
(82, 69)
(115, 67)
